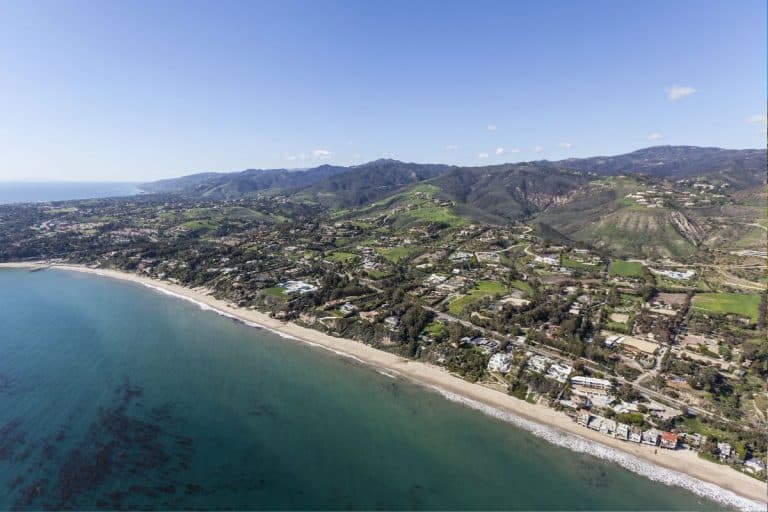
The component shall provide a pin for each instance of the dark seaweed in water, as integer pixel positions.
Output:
(11, 438)
(5, 383)
(136, 451)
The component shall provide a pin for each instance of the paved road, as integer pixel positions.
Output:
(561, 357)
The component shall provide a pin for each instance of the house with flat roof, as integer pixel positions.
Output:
(499, 363)
(559, 372)
(591, 383)
(608, 427)
(651, 437)
(724, 449)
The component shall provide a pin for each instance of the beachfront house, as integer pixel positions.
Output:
(499, 363)
(559, 372)
(608, 427)
(592, 383)
(299, 287)
(651, 437)
(755, 465)
(690, 441)
(724, 449)
(538, 363)
(669, 440)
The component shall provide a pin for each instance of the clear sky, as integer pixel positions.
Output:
(138, 90)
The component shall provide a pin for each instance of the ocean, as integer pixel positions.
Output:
(30, 192)
(113, 395)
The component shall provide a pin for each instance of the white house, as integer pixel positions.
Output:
(592, 383)
(651, 436)
(499, 363)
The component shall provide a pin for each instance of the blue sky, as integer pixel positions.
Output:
(142, 90)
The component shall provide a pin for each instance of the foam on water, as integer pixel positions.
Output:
(627, 461)
(554, 436)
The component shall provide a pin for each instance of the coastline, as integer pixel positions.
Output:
(681, 468)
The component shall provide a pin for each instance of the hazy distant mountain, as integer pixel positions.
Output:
(236, 184)
(508, 190)
(369, 182)
(742, 167)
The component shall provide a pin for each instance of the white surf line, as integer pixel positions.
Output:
(249, 323)
(628, 461)
(552, 435)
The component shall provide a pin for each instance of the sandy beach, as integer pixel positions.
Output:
(681, 467)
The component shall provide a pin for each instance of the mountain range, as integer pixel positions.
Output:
(579, 198)
(355, 185)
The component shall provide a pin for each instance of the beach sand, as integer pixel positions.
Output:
(687, 469)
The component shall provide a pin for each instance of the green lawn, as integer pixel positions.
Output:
(377, 274)
(199, 224)
(434, 329)
(615, 326)
(437, 214)
(277, 291)
(743, 304)
(523, 286)
(481, 289)
(569, 263)
(342, 257)
(625, 269)
(396, 254)
(631, 299)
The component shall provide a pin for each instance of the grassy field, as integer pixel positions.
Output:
(569, 263)
(434, 329)
(277, 291)
(342, 257)
(200, 224)
(743, 304)
(481, 289)
(396, 254)
(438, 214)
(522, 286)
(625, 269)
(376, 274)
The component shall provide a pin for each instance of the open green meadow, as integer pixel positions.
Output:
(622, 268)
(481, 289)
(396, 254)
(341, 257)
(744, 304)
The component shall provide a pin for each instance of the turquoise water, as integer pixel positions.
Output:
(115, 396)
(30, 192)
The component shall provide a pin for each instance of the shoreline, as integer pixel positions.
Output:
(681, 468)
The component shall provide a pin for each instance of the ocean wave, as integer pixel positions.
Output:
(552, 435)
(206, 307)
(201, 305)
(329, 349)
(627, 461)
